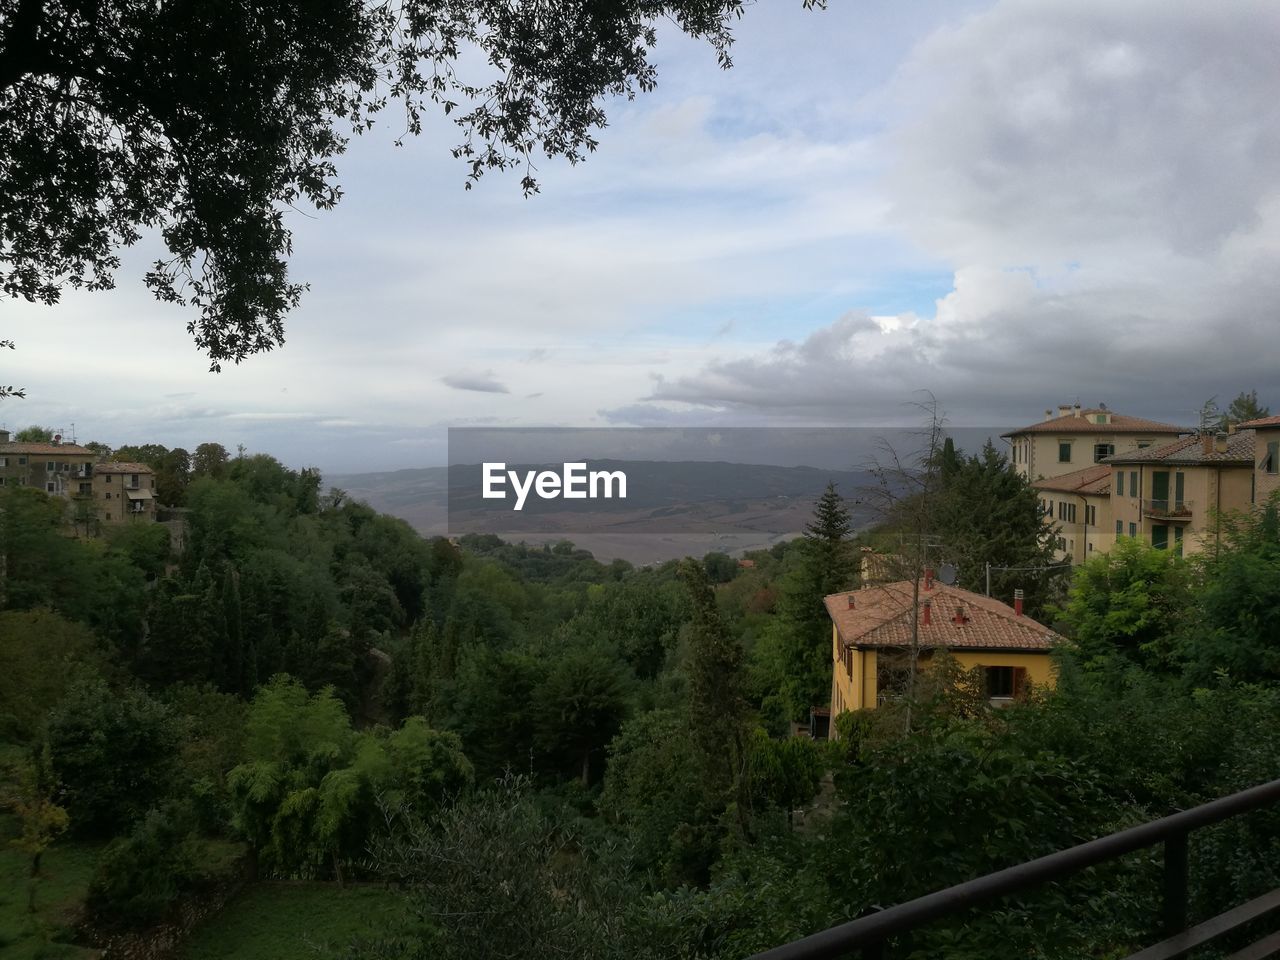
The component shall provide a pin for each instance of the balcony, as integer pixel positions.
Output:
(1175, 510)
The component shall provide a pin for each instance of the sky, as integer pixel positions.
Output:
(1011, 205)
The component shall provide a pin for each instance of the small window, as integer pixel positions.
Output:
(1102, 450)
(1177, 540)
(1133, 484)
(108, 477)
(1064, 451)
(1272, 463)
(1143, 444)
(4, 462)
(50, 466)
(1000, 683)
(22, 461)
(1133, 529)
(1119, 483)
(1119, 528)
(107, 495)
(1100, 418)
(1160, 537)
(50, 487)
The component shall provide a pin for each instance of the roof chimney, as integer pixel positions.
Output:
(852, 604)
(1206, 442)
(926, 613)
(1075, 410)
(4, 436)
(1048, 414)
(928, 578)
(1017, 603)
(1220, 442)
(960, 616)
(1064, 409)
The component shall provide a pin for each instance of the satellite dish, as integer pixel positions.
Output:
(947, 574)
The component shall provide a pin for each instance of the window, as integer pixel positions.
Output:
(1102, 450)
(1064, 451)
(50, 487)
(1119, 528)
(1, 481)
(133, 480)
(22, 461)
(1133, 484)
(1000, 683)
(1160, 537)
(1143, 444)
(1133, 529)
(1119, 483)
(1272, 462)
(107, 495)
(1100, 418)
(86, 488)
(50, 466)
(1177, 540)
(108, 478)
(1090, 516)
(4, 461)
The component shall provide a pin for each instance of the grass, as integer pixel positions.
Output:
(290, 921)
(66, 870)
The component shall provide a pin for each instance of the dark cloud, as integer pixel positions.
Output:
(479, 382)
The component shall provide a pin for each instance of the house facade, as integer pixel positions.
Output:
(1266, 457)
(1171, 496)
(124, 492)
(1079, 504)
(872, 630)
(59, 469)
(1075, 439)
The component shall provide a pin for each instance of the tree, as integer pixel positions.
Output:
(34, 434)
(207, 122)
(1127, 603)
(987, 513)
(43, 655)
(113, 752)
(1244, 408)
(579, 706)
(210, 460)
(30, 798)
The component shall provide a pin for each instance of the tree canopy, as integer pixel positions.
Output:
(207, 122)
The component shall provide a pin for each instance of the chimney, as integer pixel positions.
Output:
(1017, 603)
(928, 578)
(1075, 410)
(4, 436)
(1064, 409)
(1220, 442)
(960, 616)
(1206, 442)
(926, 613)
(1048, 414)
(852, 604)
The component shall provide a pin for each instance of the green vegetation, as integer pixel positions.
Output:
(291, 921)
(503, 750)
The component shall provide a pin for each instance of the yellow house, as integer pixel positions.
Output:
(1266, 457)
(59, 469)
(1172, 495)
(1079, 505)
(124, 492)
(1074, 439)
(871, 634)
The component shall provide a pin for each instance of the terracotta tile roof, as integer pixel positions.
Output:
(882, 615)
(1189, 451)
(1263, 422)
(111, 466)
(1083, 424)
(1091, 480)
(69, 449)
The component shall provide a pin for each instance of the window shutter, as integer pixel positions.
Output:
(1019, 683)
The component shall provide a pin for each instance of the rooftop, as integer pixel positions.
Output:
(1260, 423)
(1189, 451)
(881, 617)
(1085, 421)
(70, 449)
(110, 466)
(1091, 480)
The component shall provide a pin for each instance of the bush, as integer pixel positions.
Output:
(140, 876)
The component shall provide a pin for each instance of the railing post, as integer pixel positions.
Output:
(1175, 884)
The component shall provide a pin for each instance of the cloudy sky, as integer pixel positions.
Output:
(1012, 205)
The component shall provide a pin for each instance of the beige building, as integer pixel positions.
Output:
(59, 469)
(1075, 439)
(1079, 505)
(1171, 495)
(1266, 457)
(124, 492)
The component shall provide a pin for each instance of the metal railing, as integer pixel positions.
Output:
(1171, 509)
(871, 934)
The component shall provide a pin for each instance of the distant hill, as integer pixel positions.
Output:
(673, 509)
